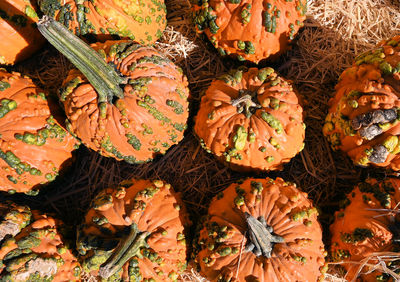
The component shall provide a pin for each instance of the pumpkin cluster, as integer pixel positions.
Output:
(249, 30)
(135, 232)
(363, 119)
(366, 232)
(32, 248)
(34, 145)
(251, 119)
(261, 230)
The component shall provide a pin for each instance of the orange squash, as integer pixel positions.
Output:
(251, 120)
(363, 119)
(31, 247)
(261, 230)
(250, 30)
(19, 37)
(135, 232)
(34, 145)
(368, 229)
(143, 21)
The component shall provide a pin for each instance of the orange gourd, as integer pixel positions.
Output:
(251, 119)
(250, 30)
(143, 21)
(367, 231)
(19, 37)
(32, 248)
(363, 119)
(135, 232)
(34, 145)
(261, 230)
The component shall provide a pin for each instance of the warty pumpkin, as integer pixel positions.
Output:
(367, 229)
(19, 37)
(32, 248)
(34, 145)
(261, 230)
(251, 119)
(363, 119)
(143, 21)
(249, 30)
(131, 113)
(135, 232)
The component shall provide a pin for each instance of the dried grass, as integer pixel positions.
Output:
(334, 32)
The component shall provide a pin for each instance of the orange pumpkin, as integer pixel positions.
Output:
(363, 119)
(34, 146)
(368, 230)
(251, 119)
(31, 247)
(135, 232)
(19, 37)
(261, 230)
(143, 21)
(130, 103)
(250, 30)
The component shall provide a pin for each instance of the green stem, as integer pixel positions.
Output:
(127, 249)
(102, 76)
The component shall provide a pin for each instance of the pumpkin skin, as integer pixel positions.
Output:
(19, 37)
(249, 30)
(142, 21)
(34, 146)
(360, 230)
(300, 257)
(363, 119)
(153, 207)
(31, 247)
(147, 121)
(262, 137)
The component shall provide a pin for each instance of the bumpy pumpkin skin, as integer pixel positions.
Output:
(34, 146)
(291, 215)
(154, 207)
(359, 230)
(262, 138)
(250, 30)
(19, 37)
(142, 21)
(147, 121)
(31, 247)
(370, 86)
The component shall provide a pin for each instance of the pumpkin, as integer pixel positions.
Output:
(34, 145)
(249, 30)
(363, 119)
(19, 37)
(133, 123)
(135, 232)
(143, 21)
(261, 230)
(32, 248)
(368, 229)
(251, 119)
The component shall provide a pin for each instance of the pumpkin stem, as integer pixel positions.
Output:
(125, 250)
(245, 103)
(260, 240)
(102, 76)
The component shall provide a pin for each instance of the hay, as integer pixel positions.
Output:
(334, 32)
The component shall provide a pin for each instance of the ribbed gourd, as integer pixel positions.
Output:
(32, 247)
(135, 232)
(261, 230)
(250, 30)
(34, 144)
(363, 119)
(251, 119)
(126, 101)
